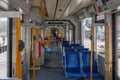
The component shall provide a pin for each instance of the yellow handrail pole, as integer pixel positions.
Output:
(108, 51)
(92, 49)
(39, 40)
(69, 35)
(63, 34)
(33, 53)
(18, 53)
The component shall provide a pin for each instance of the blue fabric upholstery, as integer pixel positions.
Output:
(47, 50)
(65, 43)
(75, 45)
(69, 50)
(82, 50)
(73, 75)
(72, 65)
(86, 65)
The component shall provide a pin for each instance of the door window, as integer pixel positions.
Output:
(100, 39)
(3, 47)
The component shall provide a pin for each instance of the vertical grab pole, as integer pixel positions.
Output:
(29, 51)
(33, 52)
(108, 51)
(92, 49)
(18, 53)
(39, 47)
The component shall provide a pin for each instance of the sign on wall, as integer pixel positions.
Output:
(100, 5)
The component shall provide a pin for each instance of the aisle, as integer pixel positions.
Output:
(52, 69)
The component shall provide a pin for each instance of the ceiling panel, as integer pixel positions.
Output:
(36, 3)
(76, 5)
(61, 7)
(51, 6)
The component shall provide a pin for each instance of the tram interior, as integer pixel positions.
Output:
(59, 39)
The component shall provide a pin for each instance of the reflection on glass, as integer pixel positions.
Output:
(118, 36)
(86, 26)
(100, 38)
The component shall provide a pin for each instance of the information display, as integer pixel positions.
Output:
(101, 5)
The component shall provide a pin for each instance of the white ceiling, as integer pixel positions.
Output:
(67, 7)
(51, 6)
(62, 4)
(78, 4)
(36, 3)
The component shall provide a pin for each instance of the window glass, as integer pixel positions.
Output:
(100, 38)
(23, 33)
(118, 42)
(3, 47)
(86, 32)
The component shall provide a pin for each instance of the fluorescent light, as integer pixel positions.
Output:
(118, 8)
(78, 1)
(20, 10)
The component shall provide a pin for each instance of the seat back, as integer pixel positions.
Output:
(72, 62)
(86, 62)
(65, 43)
(82, 50)
(77, 47)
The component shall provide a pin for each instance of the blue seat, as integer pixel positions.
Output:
(86, 65)
(47, 50)
(72, 65)
(76, 47)
(66, 51)
(69, 49)
(65, 43)
(82, 50)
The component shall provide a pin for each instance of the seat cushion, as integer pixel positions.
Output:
(73, 75)
(94, 75)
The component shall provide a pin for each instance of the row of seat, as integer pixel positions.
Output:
(76, 62)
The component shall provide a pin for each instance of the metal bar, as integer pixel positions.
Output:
(39, 44)
(108, 51)
(18, 53)
(92, 50)
(33, 52)
(9, 14)
(9, 47)
(28, 24)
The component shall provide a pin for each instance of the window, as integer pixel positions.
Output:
(86, 32)
(100, 39)
(3, 47)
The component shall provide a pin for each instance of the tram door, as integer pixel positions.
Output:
(118, 44)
